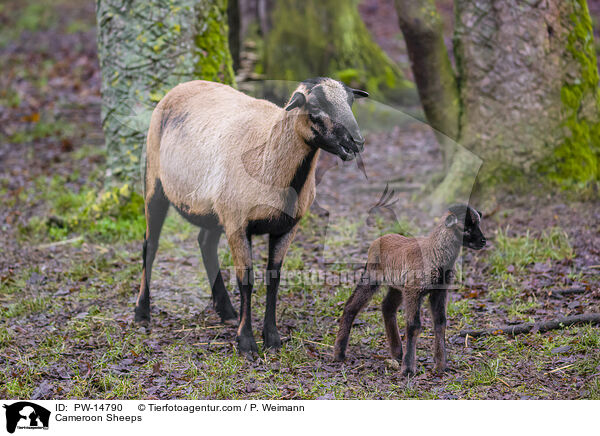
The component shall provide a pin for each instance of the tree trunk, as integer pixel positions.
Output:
(527, 99)
(529, 88)
(328, 38)
(234, 21)
(146, 48)
(422, 28)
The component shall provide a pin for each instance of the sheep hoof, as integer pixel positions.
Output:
(246, 345)
(440, 369)
(272, 341)
(142, 316)
(407, 372)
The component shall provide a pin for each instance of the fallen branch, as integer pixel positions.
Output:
(559, 293)
(593, 318)
(59, 243)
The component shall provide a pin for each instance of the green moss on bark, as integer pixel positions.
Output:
(328, 38)
(145, 49)
(212, 46)
(576, 160)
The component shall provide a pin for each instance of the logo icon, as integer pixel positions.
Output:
(26, 415)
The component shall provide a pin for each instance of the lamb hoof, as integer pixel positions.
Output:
(339, 357)
(246, 345)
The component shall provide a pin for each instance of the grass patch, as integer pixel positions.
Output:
(520, 251)
(400, 226)
(27, 306)
(504, 293)
(485, 374)
(39, 130)
(112, 216)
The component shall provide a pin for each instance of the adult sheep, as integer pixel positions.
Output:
(231, 163)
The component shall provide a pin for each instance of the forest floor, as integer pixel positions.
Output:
(68, 282)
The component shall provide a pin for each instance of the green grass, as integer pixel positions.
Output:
(520, 251)
(35, 16)
(486, 373)
(35, 131)
(504, 293)
(111, 216)
(26, 307)
(400, 226)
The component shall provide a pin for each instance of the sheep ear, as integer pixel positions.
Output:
(297, 100)
(451, 220)
(359, 94)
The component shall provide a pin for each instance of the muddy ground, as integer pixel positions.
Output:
(67, 288)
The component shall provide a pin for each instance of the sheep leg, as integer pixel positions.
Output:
(157, 207)
(437, 302)
(412, 314)
(278, 246)
(389, 308)
(360, 297)
(241, 250)
(209, 242)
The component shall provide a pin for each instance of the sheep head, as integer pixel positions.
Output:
(465, 221)
(327, 106)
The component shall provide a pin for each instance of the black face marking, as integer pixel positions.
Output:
(333, 128)
(472, 236)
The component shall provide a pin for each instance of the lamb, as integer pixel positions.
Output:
(231, 163)
(413, 268)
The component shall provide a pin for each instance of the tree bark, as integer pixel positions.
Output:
(422, 28)
(146, 48)
(312, 38)
(529, 88)
(234, 21)
(525, 95)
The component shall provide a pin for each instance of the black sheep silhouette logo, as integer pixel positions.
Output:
(26, 415)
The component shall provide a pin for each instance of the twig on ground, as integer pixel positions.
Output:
(211, 343)
(59, 243)
(593, 318)
(559, 369)
(558, 293)
(502, 381)
(315, 343)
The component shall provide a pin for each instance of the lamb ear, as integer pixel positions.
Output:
(297, 100)
(451, 220)
(359, 94)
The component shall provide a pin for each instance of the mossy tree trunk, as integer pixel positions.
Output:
(528, 89)
(422, 28)
(328, 38)
(146, 48)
